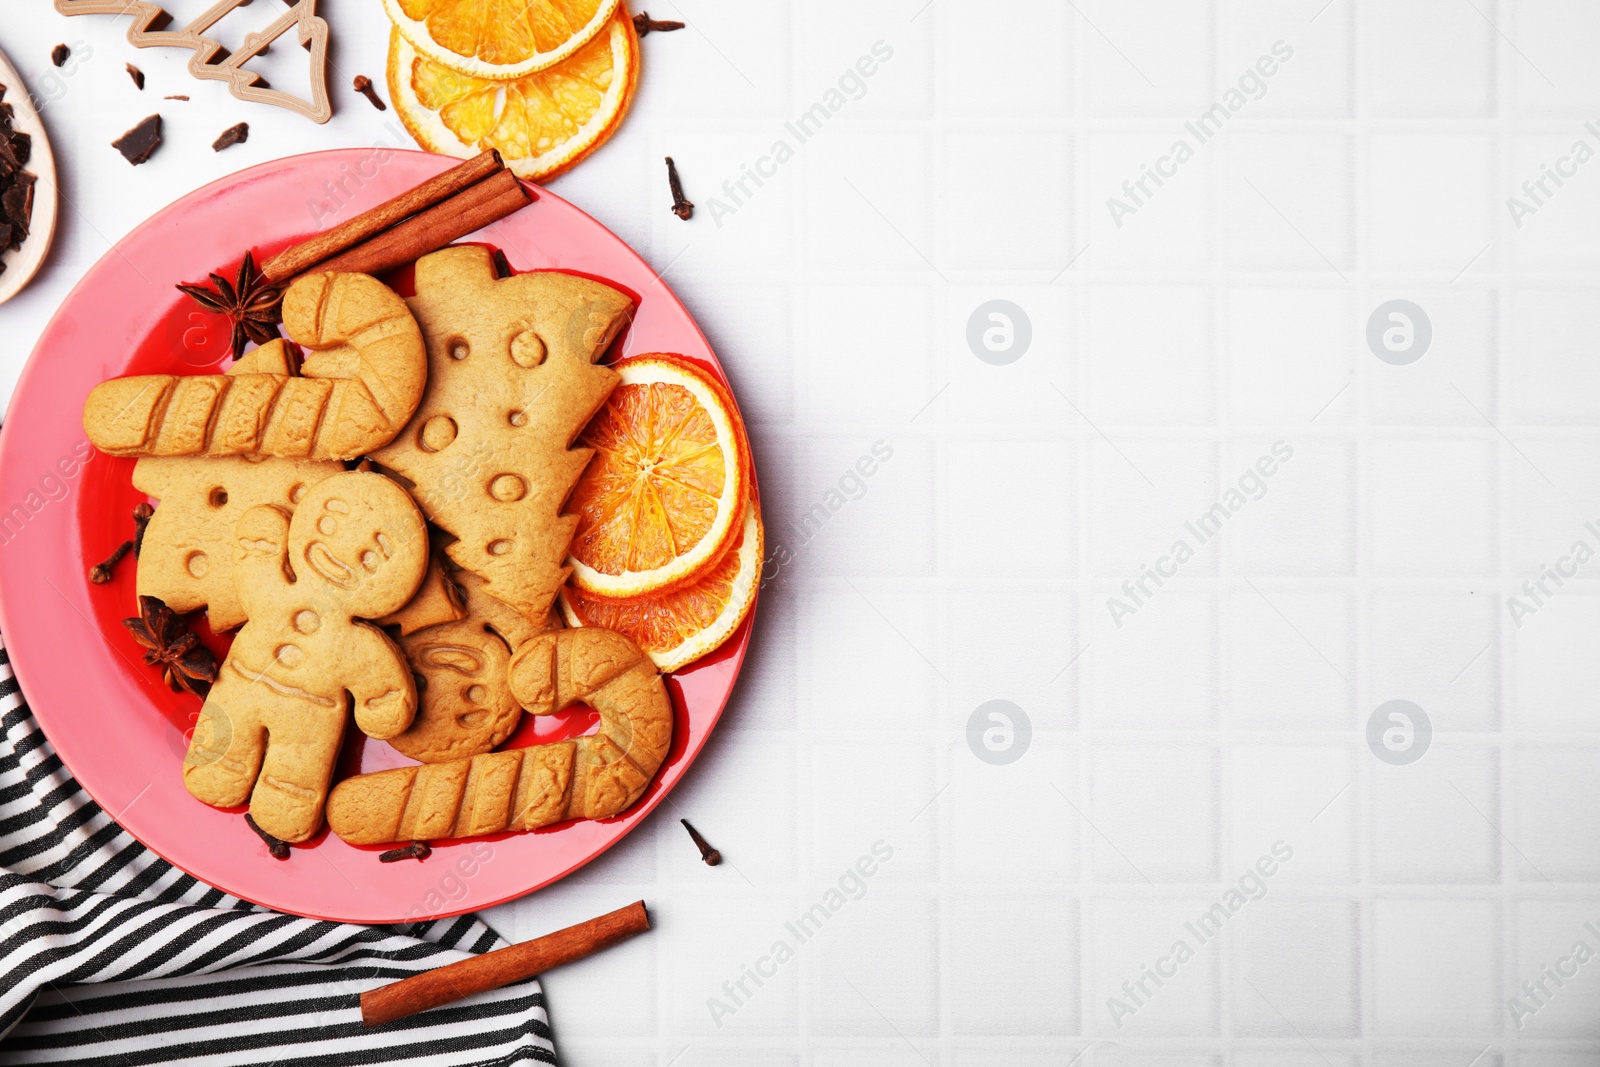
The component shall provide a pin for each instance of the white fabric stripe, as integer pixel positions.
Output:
(111, 1018)
(158, 944)
(97, 1027)
(486, 1053)
(171, 938)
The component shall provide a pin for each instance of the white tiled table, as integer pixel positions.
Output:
(1227, 312)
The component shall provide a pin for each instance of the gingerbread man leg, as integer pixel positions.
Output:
(295, 776)
(225, 754)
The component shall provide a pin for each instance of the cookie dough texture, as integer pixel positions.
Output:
(438, 600)
(512, 380)
(358, 386)
(465, 705)
(186, 558)
(270, 730)
(593, 777)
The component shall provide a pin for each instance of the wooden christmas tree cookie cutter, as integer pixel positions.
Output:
(144, 32)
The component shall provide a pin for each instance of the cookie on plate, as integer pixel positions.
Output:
(186, 557)
(464, 702)
(512, 380)
(357, 388)
(593, 777)
(271, 726)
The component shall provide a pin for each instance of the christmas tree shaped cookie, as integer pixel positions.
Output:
(512, 380)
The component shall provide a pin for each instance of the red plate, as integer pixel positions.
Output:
(63, 507)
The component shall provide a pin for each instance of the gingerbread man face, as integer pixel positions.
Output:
(356, 549)
(271, 727)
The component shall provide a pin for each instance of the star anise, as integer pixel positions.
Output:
(185, 663)
(253, 305)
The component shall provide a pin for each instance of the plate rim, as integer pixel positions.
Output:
(738, 644)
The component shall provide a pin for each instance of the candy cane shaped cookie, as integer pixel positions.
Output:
(592, 777)
(359, 386)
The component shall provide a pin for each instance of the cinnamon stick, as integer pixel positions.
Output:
(302, 257)
(472, 209)
(454, 981)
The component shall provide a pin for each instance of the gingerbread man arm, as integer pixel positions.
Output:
(385, 698)
(260, 559)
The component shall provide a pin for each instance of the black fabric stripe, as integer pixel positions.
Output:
(180, 884)
(13, 1015)
(185, 988)
(160, 914)
(248, 934)
(66, 904)
(291, 946)
(13, 759)
(268, 1010)
(98, 877)
(101, 838)
(41, 810)
(463, 1039)
(209, 899)
(97, 906)
(95, 964)
(30, 779)
(156, 960)
(65, 827)
(459, 928)
(141, 882)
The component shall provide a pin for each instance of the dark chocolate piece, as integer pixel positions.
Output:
(231, 136)
(16, 203)
(136, 74)
(16, 184)
(137, 144)
(59, 54)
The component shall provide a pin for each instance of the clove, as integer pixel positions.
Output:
(643, 24)
(681, 206)
(100, 573)
(363, 86)
(141, 519)
(417, 850)
(707, 853)
(279, 849)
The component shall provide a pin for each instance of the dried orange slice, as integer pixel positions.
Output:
(664, 495)
(499, 38)
(541, 124)
(679, 627)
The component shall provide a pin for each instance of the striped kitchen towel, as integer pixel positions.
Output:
(111, 956)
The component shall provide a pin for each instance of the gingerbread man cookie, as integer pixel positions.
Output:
(186, 558)
(465, 706)
(438, 600)
(271, 727)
